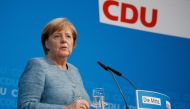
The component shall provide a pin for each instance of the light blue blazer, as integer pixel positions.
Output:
(45, 86)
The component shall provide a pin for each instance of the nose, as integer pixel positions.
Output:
(63, 39)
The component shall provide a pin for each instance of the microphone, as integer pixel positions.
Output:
(103, 66)
(107, 68)
(120, 74)
(112, 70)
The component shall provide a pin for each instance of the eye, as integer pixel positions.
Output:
(68, 36)
(56, 36)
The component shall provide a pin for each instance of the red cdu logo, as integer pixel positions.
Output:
(129, 18)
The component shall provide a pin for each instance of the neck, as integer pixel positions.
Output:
(59, 61)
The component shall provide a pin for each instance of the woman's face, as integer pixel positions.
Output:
(60, 43)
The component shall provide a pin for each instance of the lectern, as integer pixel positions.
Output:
(152, 100)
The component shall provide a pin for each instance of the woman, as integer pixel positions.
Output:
(51, 82)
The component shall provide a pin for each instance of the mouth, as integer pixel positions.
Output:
(63, 47)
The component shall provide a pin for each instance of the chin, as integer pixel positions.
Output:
(65, 55)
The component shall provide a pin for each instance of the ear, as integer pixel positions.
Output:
(46, 44)
(74, 45)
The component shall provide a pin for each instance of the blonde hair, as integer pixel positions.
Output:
(54, 25)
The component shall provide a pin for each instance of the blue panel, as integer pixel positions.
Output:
(152, 61)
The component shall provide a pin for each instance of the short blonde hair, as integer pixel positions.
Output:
(54, 25)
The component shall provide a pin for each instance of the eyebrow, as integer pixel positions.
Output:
(68, 33)
(61, 33)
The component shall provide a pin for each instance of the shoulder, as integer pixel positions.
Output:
(37, 61)
(33, 70)
(72, 67)
(74, 71)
